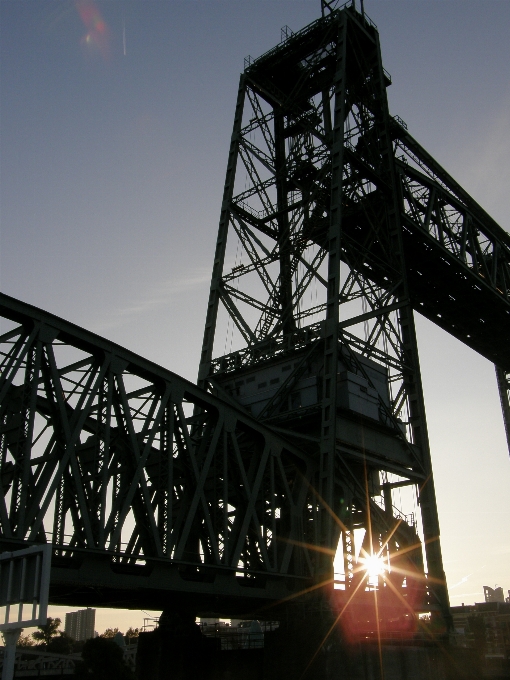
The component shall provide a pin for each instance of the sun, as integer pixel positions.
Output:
(374, 566)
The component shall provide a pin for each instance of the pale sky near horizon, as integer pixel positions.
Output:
(113, 157)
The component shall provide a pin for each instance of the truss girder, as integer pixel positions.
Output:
(101, 455)
(458, 258)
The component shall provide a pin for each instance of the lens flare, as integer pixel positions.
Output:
(374, 566)
(97, 36)
(383, 594)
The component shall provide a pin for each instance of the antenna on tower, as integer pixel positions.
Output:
(333, 5)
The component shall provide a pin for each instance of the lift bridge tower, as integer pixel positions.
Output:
(335, 226)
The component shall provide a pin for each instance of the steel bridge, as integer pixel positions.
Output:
(142, 499)
(233, 495)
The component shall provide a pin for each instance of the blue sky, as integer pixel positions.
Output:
(113, 155)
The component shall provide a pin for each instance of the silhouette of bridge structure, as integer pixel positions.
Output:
(233, 495)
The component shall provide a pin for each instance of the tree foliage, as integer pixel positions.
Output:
(110, 633)
(103, 659)
(46, 633)
(60, 644)
(25, 641)
(132, 633)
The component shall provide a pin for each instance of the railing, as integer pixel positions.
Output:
(401, 122)
(270, 348)
(258, 214)
(150, 624)
(239, 637)
(285, 33)
(408, 519)
(299, 34)
(388, 637)
(33, 663)
(130, 655)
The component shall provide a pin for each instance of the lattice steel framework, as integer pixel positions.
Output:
(101, 455)
(335, 225)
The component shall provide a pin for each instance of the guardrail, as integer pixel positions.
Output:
(248, 635)
(32, 662)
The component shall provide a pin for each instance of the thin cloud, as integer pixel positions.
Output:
(502, 550)
(158, 297)
(485, 169)
(474, 594)
(462, 580)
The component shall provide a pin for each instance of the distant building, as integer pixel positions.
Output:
(80, 625)
(484, 622)
(208, 621)
(493, 594)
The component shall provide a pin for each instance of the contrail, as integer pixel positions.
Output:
(124, 35)
(463, 580)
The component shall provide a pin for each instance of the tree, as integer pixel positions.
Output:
(110, 633)
(45, 634)
(103, 659)
(132, 633)
(25, 641)
(60, 644)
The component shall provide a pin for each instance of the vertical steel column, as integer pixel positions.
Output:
(411, 371)
(23, 472)
(284, 246)
(221, 241)
(427, 495)
(503, 378)
(325, 485)
(11, 638)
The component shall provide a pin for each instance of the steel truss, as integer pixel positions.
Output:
(101, 456)
(335, 226)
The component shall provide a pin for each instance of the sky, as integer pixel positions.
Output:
(115, 121)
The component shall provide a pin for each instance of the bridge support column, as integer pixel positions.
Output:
(11, 638)
(176, 650)
(313, 649)
(306, 645)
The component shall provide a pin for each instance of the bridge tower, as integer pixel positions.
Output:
(335, 227)
(310, 317)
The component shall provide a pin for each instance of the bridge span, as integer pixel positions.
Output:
(233, 496)
(150, 489)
